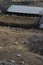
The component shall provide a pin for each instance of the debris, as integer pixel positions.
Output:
(16, 43)
(0, 61)
(22, 63)
(12, 61)
(25, 42)
(12, 14)
(18, 55)
(6, 15)
(0, 47)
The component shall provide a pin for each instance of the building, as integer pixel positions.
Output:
(24, 10)
(41, 23)
(41, 20)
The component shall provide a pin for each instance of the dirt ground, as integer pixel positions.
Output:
(39, 4)
(12, 42)
(12, 46)
(19, 19)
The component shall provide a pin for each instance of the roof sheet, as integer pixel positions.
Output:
(24, 9)
(41, 13)
(41, 22)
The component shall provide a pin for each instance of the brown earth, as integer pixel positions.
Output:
(19, 19)
(39, 4)
(12, 44)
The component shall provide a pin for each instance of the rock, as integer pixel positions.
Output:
(6, 63)
(16, 43)
(25, 42)
(7, 15)
(0, 47)
(0, 61)
(12, 61)
(12, 14)
(23, 62)
(18, 55)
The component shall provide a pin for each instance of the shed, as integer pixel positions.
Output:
(41, 12)
(21, 9)
(41, 23)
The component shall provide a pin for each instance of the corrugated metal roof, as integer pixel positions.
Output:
(41, 13)
(41, 22)
(41, 26)
(24, 9)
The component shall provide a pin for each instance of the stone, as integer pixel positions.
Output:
(0, 47)
(12, 61)
(16, 43)
(18, 55)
